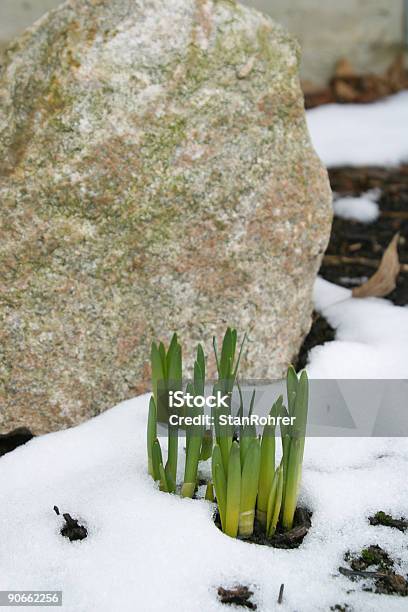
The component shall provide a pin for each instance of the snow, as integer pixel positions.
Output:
(364, 208)
(371, 336)
(361, 134)
(152, 551)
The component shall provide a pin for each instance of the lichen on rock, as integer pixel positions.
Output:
(156, 175)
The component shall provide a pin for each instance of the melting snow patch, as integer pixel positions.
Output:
(156, 552)
(364, 208)
(371, 336)
(361, 134)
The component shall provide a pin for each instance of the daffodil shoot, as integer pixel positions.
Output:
(247, 483)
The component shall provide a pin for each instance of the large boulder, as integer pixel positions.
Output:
(156, 175)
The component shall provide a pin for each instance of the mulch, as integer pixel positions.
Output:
(355, 249)
(347, 86)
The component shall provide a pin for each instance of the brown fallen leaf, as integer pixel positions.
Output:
(343, 91)
(384, 279)
(344, 68)
(347, 86)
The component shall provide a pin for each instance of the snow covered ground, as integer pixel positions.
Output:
(371, 336)
(151, 551)
(154, 552)
(363, 208)
(361, 134)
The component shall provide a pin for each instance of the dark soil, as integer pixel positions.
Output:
(320, 332)
(376, 567)
(14, 439)
(237, 596)
(72, 529)
(381, 518)
(282, 539)
(349, 86)
(372, 555)
(355, 249)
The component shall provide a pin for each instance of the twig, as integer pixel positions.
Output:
(280, 596)
(339, 260)
(362, 574)
(395, 214)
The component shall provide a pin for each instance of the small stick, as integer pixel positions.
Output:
(362, 574)
(280, 596)
(338, 260)
(395, 214)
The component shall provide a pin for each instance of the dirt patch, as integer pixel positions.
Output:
(373, 555)
(72, 529)
(320, 332)
(382, 518)
(375, 566)
(14, 439)
(237, 596)
(282, 539)
(348, 86)
(355, 249)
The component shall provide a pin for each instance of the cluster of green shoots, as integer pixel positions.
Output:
(247, 480)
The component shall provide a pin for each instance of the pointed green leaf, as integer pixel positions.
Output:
(151, 433)
(233, 492)
(209, 492)
(266, 471)
(291, 387)
(275, 503)
(157, 459)
(206, 445)
(249, 488)
(163, 480)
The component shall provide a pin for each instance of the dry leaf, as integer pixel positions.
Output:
(384, 279)
(347, 86)
(344, 91)
(344, 69)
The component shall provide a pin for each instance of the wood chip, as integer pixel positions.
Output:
(384, 279)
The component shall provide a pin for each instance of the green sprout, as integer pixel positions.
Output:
(267, 470)
(274, 502)
(236, 490)
(227, 368)
(246, 483)
(166, 377)
(293, 442)
(194, 433)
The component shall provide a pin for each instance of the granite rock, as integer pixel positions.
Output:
(156, 174)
